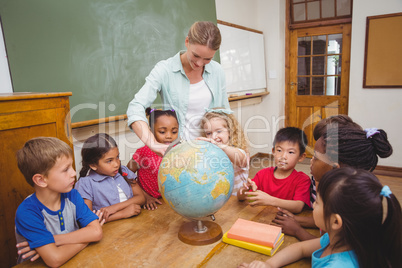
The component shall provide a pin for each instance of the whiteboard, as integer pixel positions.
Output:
(5, 79)
(243, 59)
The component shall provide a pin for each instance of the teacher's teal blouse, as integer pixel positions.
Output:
(169, 80)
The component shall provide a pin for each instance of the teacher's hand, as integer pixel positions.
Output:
(159, 148)
(142, 130)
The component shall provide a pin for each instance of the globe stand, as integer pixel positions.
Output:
(200, 232)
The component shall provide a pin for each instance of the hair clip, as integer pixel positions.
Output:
(371, 131)
(151, 110)
(172, 110)
(385, 191)
(219, 110)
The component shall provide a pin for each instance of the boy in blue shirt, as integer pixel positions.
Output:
(54, 220)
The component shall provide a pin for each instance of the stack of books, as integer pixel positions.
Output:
(259, 237)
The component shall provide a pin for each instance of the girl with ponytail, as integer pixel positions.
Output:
(362, 220)
(105, 184)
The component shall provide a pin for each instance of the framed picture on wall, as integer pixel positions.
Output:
(383, 55)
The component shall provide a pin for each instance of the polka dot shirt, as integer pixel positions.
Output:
(148, 163)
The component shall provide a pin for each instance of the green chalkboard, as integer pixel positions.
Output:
(100, 50)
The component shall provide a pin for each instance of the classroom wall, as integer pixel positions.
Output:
(261, 121)
(380, 108)
(369, 107)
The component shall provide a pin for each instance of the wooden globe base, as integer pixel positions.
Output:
(191, 233)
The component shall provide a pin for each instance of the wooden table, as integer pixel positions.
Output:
(151, 240)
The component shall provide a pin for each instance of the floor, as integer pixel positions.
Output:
(394, 183)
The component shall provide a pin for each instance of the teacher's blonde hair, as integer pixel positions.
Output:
(205, 33)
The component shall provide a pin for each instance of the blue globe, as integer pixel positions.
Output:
(196, 178)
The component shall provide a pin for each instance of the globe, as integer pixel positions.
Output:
(196, 178)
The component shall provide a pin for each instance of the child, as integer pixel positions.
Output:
(165, 128)
(362, 220)
(222, 129)
(104, 183)
(320, 128)
(54, 220)
(340, 146)
(282, 186)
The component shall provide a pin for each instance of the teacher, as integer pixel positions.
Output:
(188, 82)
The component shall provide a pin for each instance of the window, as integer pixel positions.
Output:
(319, 60)
(319, 12)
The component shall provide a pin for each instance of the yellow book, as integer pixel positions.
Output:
(254, 247)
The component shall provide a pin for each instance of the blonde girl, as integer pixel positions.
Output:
(222, 129)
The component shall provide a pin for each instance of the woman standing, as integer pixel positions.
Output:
(188, 82)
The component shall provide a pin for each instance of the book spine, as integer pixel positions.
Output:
(249, 246)
(253, 247)
(254, 241)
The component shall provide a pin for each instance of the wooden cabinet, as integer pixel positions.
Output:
(24, 116)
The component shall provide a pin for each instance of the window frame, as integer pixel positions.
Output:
(317, 22)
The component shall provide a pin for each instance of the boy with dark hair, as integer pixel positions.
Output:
(281, 186)
(54, 220)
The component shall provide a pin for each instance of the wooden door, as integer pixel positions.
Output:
(318, 85)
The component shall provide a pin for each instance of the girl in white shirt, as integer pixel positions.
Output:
(222, 129)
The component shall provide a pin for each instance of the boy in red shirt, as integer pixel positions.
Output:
(281, 186)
